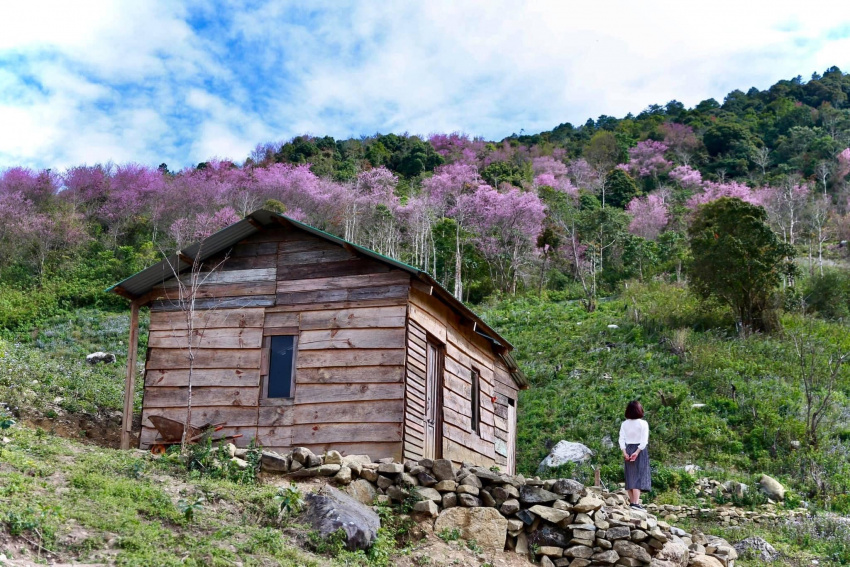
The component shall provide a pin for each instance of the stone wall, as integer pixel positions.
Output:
(558, 522)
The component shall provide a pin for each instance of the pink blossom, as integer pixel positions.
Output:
(649, 216)
(647, 159)
(713, 191)
(843, 164)
(687, 177)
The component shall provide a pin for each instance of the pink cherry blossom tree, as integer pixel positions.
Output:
(648, 216)
(647, 160)
(681, 140)
(687, 177)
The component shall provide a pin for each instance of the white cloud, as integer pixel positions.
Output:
(145, 81)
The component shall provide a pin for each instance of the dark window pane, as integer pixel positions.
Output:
(280, 366)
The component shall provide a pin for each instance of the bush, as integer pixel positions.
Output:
(829, 295)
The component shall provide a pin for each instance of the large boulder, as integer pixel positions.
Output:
(484, 525)
(772, 487)
(756, 548)
(330, 509)
(566, 452)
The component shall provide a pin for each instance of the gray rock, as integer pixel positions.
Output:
(100, 357)
(396, 493)
(607, 557)
(546, 562)
(566, 452)
(313, 461)
(471, 480)
(487, 499)
(449, 500)
(548, 534)
(426, 507)
(502, 493)
(565, 486)
(467, 489)
(429, 494)
(405, 479)
(333, 458)
(390, 468)
(369, 474)
(756, 548)
(618, 533)
(579, 552)
(329, 470)
(536, 495)
(384, 482)
(362, 491)
(274, 463)
(772, 487)
(329, 510)
(443, 469)
(510, 507)
(343, 476)
(446, 486)
(426, 479)
(468, 500)
(628, 549)
(674, 553)
(526, 517)
(301, 454)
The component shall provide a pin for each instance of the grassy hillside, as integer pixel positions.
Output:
(657, 344)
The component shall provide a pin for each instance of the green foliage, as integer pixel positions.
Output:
(449, 534)
(203, 460)
(738, 259)
(829, 295)
(620, 189)
(189, 507)
(289, 499)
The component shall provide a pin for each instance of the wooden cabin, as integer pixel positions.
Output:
(303, 339)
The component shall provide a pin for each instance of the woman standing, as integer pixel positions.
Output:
(634, 437)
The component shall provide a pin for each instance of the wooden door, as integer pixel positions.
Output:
(433, 401)
(511, 436)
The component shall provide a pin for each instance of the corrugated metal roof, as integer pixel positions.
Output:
(144, 281)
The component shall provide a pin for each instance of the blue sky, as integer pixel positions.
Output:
(181, 82)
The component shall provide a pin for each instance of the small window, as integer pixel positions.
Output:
(281, 366)
(476, 402)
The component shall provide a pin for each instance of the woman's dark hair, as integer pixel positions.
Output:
(634, 410)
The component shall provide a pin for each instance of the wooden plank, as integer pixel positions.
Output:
(278, 436)
(233, 318)
(160, 397)
(247, 249)
(415, 425)
(130, 379)
(417, 365)
(428, 322)
(227, 277)
(336, 254)
(251, 262)
(469, 440)
(217, 303)
(337, 306)
(350, 357)
(208, 338)
(233, 416)
(457, 403)
(324, 393)
(275, 416)
(460, 387)
(277, 319)
(350, 294)
(352, 411)
(207, 291)
(417, 331)
(333, 433)
(351, 338)
(349, 267)
(396, 277)
(459, 370)
(459, 454)
(273, 331)
(202, 377)
(160, 358)
(383, 317)
(350, 374)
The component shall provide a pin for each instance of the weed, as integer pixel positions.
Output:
(473, 546)
(449, 534)
(289, 499)
(189, 507)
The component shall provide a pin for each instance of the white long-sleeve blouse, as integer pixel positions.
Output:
(634, 431)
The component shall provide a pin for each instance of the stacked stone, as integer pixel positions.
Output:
(727, 514)
(560, 522)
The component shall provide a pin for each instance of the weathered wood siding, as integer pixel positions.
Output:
(465, 350)
(349, 314)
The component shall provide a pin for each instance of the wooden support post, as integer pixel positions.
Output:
(130, 382)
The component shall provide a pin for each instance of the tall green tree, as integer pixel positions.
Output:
(738, 260)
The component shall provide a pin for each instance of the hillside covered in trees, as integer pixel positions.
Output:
(645, 222)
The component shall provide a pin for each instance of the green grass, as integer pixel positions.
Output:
(583, 372)
(124, 506)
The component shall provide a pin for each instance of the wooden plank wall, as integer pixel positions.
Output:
(414, 398)
(464, 350)
(350, 315)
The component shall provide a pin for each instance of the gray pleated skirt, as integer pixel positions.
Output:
(637, 472)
